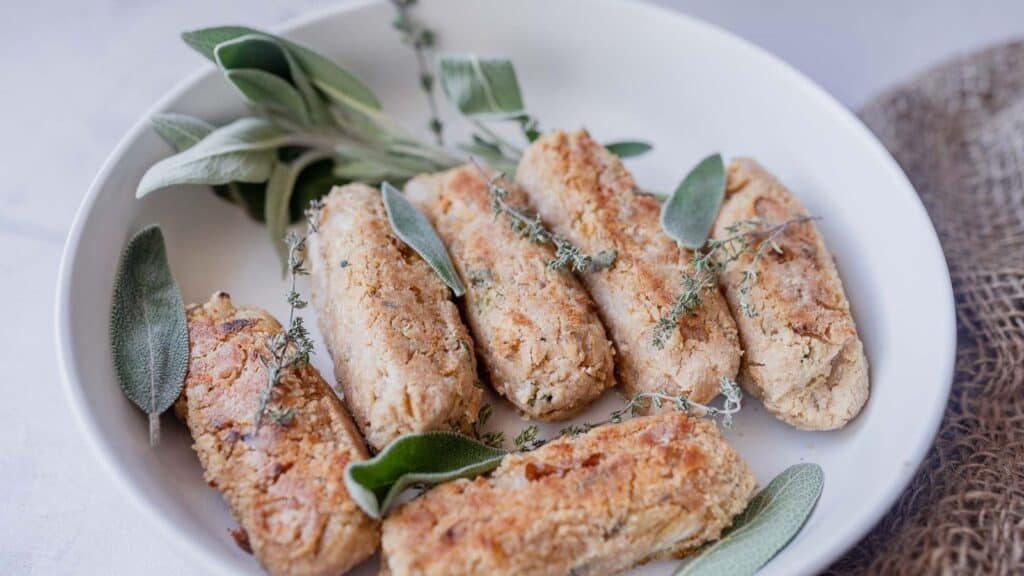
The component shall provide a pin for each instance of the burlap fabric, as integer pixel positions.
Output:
(958, 132)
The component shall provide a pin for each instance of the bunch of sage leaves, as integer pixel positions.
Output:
(316, 125)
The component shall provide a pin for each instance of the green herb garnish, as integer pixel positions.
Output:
(628, 148)
(687, 216)
(710, 261)
(530, 225)
(148, 328)
(413, 228)
(770, 521)
(291, 346)
(420, 39)
(413, 459)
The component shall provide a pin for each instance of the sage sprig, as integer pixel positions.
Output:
(413, 228)
(769, 522)
(309, 114)
(148, 329)
(425, 458)
(306, 110)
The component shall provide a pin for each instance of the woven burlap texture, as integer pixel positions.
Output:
(958, 133)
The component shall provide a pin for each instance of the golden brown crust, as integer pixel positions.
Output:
(536, 330)
(620, 495)
(401, 353)
(802, 355)
(584, 193)
(285, 485)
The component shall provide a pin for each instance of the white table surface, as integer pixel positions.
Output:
(75, 75)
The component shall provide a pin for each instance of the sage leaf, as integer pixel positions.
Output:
(415, 230)
(429, 457)
(628, 148)
(278, 198)
(267, 91)
(333, 80)
(180, 131)
(770, 521)
(481, 87)
(269, 55)
(688, 215)
(242, 151)
(148, 331)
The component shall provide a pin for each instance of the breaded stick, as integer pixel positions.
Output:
(536, 330)
(584, 193)
(284, 483)
(401, 353)
(802, 356)
(617, 496)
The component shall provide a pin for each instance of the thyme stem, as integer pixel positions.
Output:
(710, 261)
(420, 39)
(291, 346)
(566, 253)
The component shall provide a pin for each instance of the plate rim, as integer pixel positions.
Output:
(70, 377)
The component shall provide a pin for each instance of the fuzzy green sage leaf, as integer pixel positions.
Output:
(180, 131)
(334, 81)
(148, 331)
(481, 87)
(688, 215)
(243, 151)
(770, 521)
(425, 458)
(628, 148)
(415, 230)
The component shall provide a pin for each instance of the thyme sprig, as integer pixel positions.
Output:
(528, 439)
(421, 39)
(727, 387)
(292, 346)
(530, 225)
(710, 261)
(492, 439)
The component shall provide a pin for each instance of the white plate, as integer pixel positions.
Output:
(622, 70)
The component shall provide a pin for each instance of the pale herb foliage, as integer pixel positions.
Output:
(522, 222)
(292, 346)
(421, 39)
(746, 236)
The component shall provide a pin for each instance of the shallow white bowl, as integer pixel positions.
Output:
(622, 70)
